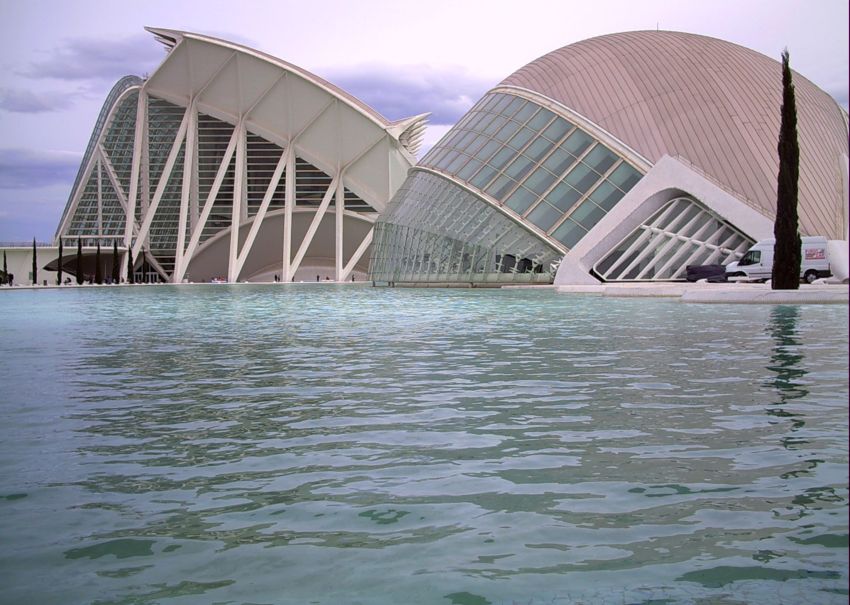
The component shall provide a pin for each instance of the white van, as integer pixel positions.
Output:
(757, 263)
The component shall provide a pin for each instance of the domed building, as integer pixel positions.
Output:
(625, 157)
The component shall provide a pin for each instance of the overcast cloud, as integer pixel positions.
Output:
(21, 100)
(403, 91)
(97, 59)
(33, 169)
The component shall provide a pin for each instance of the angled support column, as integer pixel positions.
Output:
(139, 143)
(208, 204)
(314, 225)
(238, 199)
(186, 191)
(261, 213)
(163, 182)
(357, 254)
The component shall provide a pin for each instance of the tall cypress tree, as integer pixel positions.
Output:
(131, 269)
(59, 274)
(116, 263)
(786, 254)
(5, 269)
(34, 264)
(79, 267)
(144, 267)
(98, 269)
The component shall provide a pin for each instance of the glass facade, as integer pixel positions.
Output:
(436, 231)
(682, 233)
(535, 165)
(99, 215)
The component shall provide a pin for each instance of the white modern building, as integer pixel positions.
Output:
(229, 163)
(625, 157)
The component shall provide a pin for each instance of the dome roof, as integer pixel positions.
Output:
(713, 103)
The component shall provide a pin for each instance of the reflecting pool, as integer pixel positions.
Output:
(343, 444)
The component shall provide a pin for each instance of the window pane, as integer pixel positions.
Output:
(501, 186)
(606, 195)
(459, 161)
(510, 109)
(624, 177)
(503, 102)
(538, 149)
(521, 138)
(502, 157)
(483, 177)
(544, 216)
(557, 129)
(587, 214)
(469, 169)
(577, 142)
(446, 161)
(495, 125)
(476, 144)
(467, 138)
(539, 181)
(581, 178)
(600, 159)
(559, 161)
(519, 167)
(541, 119)
(569, 233)
(563, 197)
(520, 200)
(507, 130)
(488, 150)
(525, 112)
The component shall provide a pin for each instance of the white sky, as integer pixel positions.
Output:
(58, 60)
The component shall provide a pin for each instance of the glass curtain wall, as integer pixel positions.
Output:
(435, 231)
(537, 167)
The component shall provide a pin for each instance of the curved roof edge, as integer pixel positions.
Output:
(118, 89)
(171, 37)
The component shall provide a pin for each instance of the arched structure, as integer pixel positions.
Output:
(623, 157)
(230, 154)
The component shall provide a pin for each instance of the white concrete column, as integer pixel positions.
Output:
(289, 200)
(139, 141)
(236, 208)
(186, 191)
(338, 224)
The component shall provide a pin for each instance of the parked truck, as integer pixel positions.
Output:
(757, 263)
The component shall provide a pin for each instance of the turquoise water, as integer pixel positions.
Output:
(326, 444)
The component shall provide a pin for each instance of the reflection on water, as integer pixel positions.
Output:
(357, 445)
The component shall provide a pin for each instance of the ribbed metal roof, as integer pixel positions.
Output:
(711, 102)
